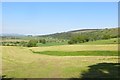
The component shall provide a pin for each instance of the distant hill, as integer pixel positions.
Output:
(113, 32)
(83, 30)
(12, 34)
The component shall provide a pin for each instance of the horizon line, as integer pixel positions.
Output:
(54, 32)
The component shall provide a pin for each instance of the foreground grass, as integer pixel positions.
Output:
(80, 53)
(20, 62)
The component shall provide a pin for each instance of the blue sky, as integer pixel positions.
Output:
(51, 17)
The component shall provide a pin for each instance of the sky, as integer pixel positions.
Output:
(59, 0)
(53, 17)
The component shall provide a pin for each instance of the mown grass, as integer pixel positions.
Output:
(79, 53)
(69, 48)
(20, 62)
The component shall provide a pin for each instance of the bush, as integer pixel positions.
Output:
(23, 43)
(70, 42)
(43, 41)
(8, 44)
(78, 39)
(32, 43)
(106, 37)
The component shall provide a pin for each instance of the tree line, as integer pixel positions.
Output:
(81, 38)
(30, 43)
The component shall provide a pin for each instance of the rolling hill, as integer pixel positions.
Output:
(113, 32)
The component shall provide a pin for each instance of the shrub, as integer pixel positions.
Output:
(32, 43)
(43, 41)
(106, 37)
(70, 42)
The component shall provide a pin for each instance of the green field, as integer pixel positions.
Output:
(52, 44)
(79, 53)
(100, 42)
(109, 41)
(21, 62)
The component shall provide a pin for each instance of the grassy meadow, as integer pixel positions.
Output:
(51, 44)
(109, 47)
(109, 41)
(59, 39)
(52, 62)
(49, 57)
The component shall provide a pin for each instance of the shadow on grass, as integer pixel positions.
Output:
(4, 78)
(101, 71)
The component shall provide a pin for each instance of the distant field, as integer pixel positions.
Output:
(110, 47)
(109, 41)
(52, 44)
(13, 40)
(20, 62)
(99, 42)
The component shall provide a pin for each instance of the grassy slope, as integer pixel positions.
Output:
(67, 35)
(21, 62)
(109, 41)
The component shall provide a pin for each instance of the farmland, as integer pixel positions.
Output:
(77, 48)
(17, 60)
(51, 56)
(61, 40)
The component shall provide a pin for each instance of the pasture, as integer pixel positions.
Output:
(104, 42)
(52, 44)
(108, 47)
(19, 62)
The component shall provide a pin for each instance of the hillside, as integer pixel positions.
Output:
(83, 30)
(113, 32)
(104, 42)
(69, 34)
(71, 37)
